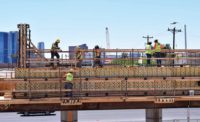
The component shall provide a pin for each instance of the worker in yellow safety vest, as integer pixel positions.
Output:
(148, 52)
(69, 82)
(157, 50)
(79, 56)
(54, 52)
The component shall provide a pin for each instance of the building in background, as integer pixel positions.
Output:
(13, 46)
(9, 47)
(86, 54)
(41, 47)
(3, 47)
(72, 50)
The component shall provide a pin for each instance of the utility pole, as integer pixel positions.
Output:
(147, 37)
(174, 30)
(185, 36)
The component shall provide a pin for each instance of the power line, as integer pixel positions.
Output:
(147, 37)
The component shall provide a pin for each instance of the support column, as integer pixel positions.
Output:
(69, 116)
(153, 115)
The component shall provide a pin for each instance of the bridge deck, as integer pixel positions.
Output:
(102, 88)
(98, 103)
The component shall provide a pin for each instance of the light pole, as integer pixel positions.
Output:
(185, 30)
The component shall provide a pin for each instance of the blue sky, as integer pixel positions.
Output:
(84, 21)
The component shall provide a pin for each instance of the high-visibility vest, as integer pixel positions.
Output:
(148, 49)
(69, 77)
(158, 47)
(79, 55)
(54, 46)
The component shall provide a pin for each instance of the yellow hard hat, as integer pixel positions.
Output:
(58, 40)
(71, 70)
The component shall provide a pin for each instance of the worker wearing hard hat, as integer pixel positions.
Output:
(69, 82)
(97, 56)
(54, 52)
(79, 56)
(148, 51)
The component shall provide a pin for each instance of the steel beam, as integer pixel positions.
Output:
(94, 103)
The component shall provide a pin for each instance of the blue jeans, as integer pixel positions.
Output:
(68, 85)
(79, 63)
(148, 59)
(158, 60)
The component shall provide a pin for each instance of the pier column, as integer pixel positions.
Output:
(69, 116)
(153, 115)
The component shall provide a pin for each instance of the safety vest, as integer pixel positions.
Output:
(158, 47)
(79, 55)
(54, 47)
(69, 77)
(148, 49)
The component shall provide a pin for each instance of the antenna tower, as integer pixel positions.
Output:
(107, 39)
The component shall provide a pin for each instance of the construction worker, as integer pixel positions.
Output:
(157, 50)
(97, 56)
(79, 56)
(148, 53)
(68, 82)
(54, 52)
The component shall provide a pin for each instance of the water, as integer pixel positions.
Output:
(107, 116)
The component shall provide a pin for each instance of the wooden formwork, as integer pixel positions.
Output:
(111, 85)
(112, 72)
(101, 86)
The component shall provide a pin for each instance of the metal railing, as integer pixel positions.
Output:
(129, 57)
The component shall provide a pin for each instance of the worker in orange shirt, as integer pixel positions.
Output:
(97, 56)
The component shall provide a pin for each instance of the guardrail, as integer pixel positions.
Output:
(127, 57)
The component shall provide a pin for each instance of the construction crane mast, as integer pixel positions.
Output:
(107, 39)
